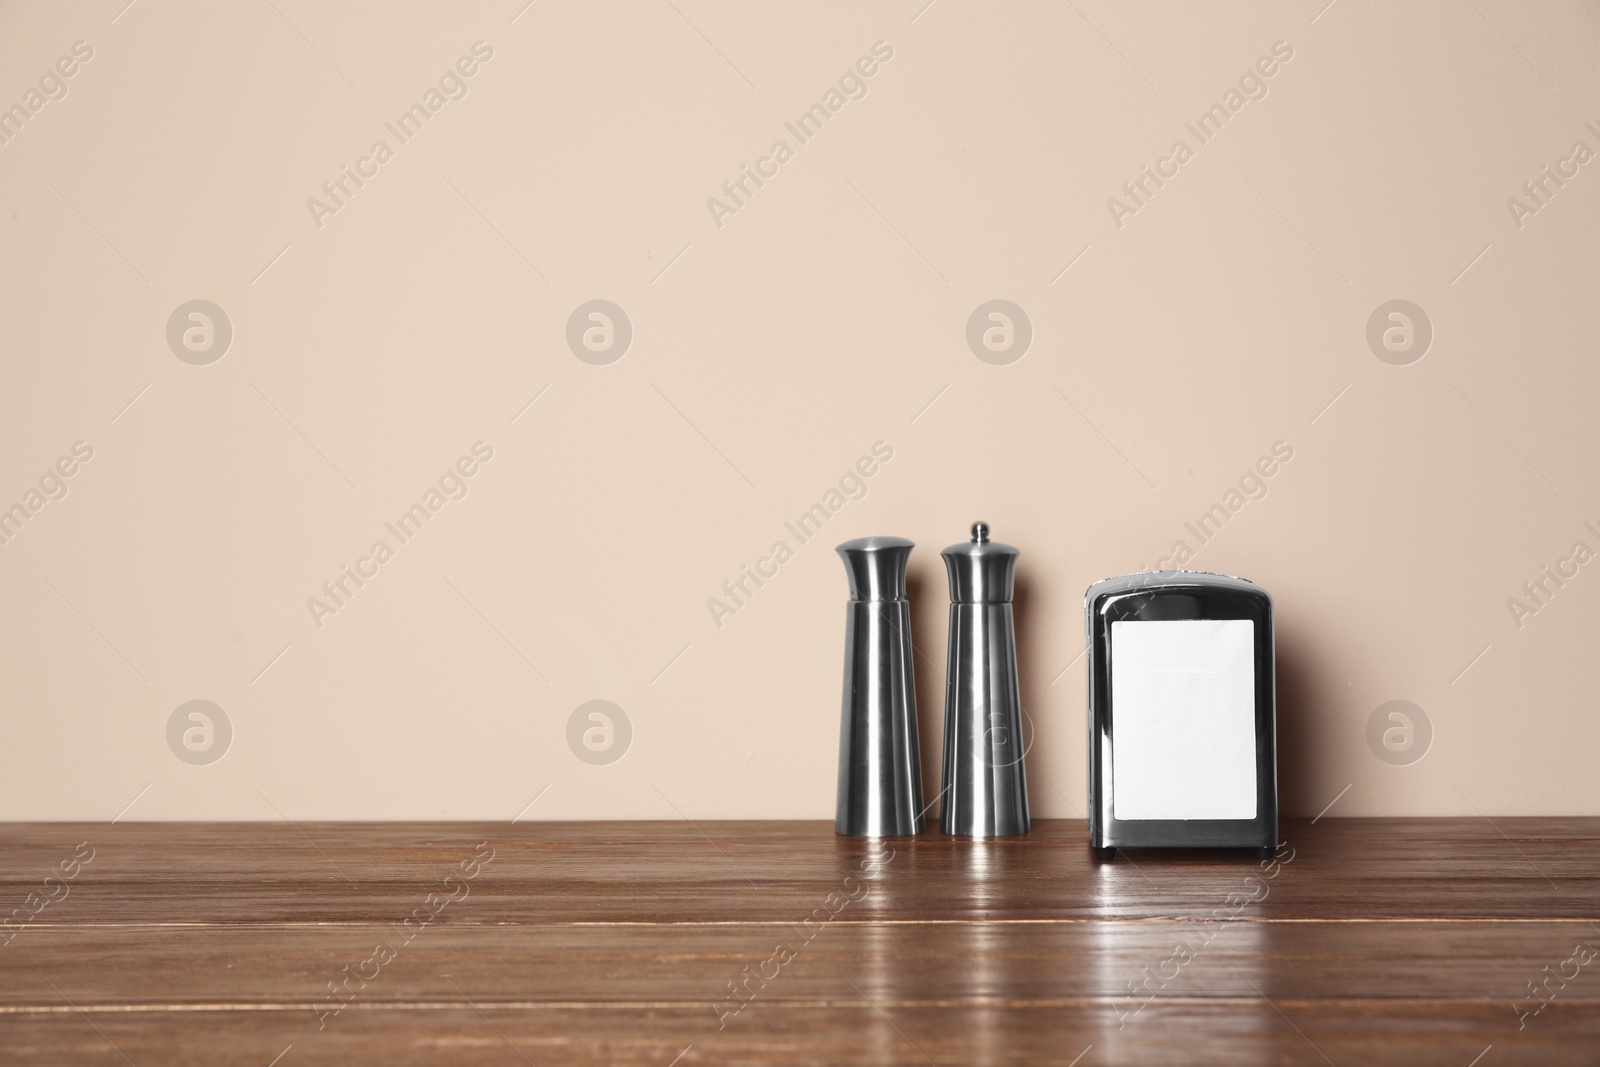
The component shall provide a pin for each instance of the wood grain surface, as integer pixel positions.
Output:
(1408, 941)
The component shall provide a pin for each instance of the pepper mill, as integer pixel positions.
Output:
(985, 789)
(880, 776)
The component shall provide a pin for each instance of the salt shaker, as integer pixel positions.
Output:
(880, 775)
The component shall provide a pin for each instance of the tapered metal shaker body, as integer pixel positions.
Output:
(985, 788)
(880, 774)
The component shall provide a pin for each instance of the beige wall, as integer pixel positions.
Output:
(1172, 346)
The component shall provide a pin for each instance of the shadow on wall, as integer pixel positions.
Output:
(1298, 709)
(1027, 609)
(929, 624)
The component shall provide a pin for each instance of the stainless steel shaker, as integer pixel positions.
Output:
(985, 789)
(880, 777)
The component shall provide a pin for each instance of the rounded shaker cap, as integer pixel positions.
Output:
(876, 566)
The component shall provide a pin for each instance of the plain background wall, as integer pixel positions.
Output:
(1171, 349)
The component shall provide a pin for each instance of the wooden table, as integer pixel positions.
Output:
(1406, 941)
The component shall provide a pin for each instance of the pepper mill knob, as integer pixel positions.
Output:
(980, 533)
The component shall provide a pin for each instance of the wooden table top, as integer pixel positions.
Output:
(1457, 942)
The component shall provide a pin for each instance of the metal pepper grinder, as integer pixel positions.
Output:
(985, 789)
(880, 775)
